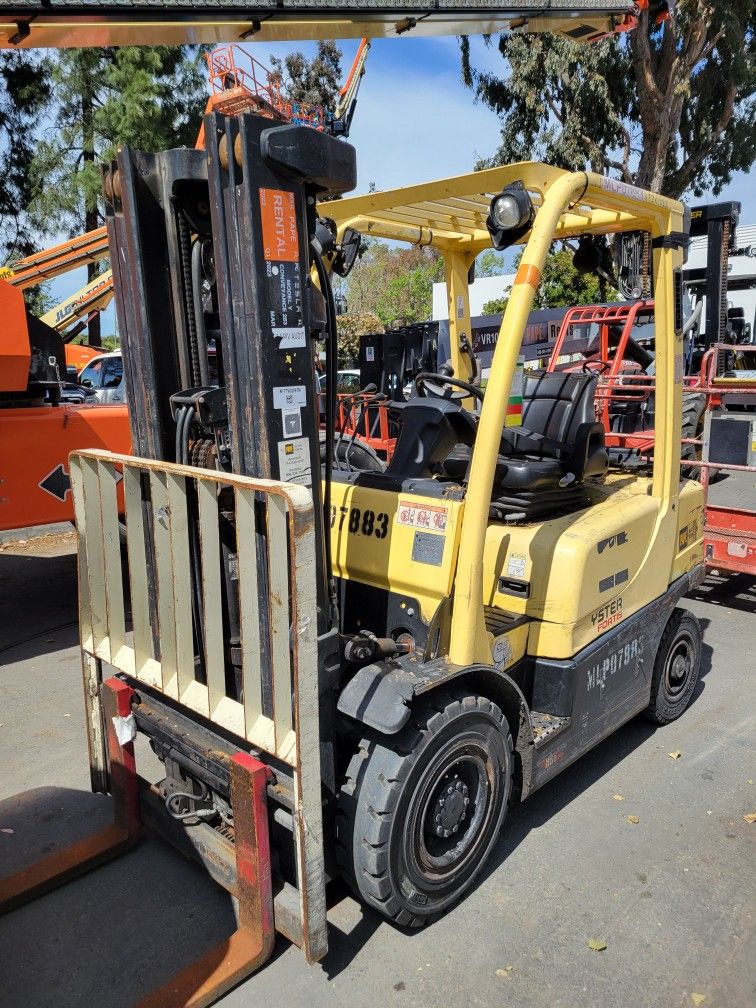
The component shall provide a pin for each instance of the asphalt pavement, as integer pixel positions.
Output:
(671, 895)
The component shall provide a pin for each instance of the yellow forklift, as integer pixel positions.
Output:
(352, 671)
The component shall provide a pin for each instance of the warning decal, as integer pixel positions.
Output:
(422, 516)
(294, 461)
(514, 406)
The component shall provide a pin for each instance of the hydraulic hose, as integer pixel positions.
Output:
(330, 415)
(199, 314)
(185, 257)
(183, 427)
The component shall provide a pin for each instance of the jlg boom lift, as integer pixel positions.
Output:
(353, 673)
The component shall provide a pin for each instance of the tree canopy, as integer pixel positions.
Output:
(25, 92)
(561, 286)
(315, 81)
(395, 284)
(670, 108)
(149, 98)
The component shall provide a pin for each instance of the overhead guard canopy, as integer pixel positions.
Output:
(451, 213)
(79, 23)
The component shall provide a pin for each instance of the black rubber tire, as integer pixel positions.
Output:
(355, 455)
(676, 669)
(389, 796)
(693, 408)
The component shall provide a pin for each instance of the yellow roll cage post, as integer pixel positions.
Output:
(450, 215)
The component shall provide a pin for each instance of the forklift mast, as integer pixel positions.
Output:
(221, 247)
(718, 222)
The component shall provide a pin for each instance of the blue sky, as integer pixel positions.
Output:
(416, 121)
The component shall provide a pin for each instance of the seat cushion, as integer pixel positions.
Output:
(531, 474)
(512, 474)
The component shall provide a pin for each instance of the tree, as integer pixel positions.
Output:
(669, 108)
(314, 82)
(490, 264)
(396, 284)
(149, 98)
(497, 306)
(561, 286)
(350, 328)
(24, 94)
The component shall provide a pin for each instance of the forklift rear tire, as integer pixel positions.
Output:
(693, 412)
(677, 666)
(420, 811)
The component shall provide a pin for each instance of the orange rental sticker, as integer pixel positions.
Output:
(279, 225)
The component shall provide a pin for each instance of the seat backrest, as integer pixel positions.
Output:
(555, 404)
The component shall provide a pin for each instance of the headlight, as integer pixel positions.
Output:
(506, 212)
(510, 215)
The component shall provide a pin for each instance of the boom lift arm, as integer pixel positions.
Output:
(347, 102)
(51, 262)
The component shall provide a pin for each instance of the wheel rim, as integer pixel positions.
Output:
(679, 666)
(455, 801)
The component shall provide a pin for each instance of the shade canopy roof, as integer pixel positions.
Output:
(64, 23)
(452, 212)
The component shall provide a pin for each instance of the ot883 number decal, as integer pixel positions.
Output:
(358, 522)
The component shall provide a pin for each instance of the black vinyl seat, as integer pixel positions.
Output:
(542, 465)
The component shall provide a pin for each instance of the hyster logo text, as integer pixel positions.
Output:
(607, 615)
(616, 540)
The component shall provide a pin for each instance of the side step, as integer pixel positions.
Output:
(547, 726)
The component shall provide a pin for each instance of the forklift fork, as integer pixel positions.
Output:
(64, 865)
(228, 963)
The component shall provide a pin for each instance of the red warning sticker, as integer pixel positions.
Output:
(279, 225)
(422, 516)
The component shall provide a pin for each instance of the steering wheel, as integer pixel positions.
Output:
(433, 383)
(595, 364)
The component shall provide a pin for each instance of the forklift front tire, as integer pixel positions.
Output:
(676, 669)
(420, 811)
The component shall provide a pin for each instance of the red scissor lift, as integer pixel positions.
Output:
(729, 533)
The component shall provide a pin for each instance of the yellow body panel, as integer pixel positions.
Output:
(399, 560)
(586, 572)
(589, 571)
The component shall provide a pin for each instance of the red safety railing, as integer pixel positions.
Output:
(729, 532)
(369, 418)
(232, 71)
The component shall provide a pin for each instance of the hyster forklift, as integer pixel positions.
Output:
(351, 672)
